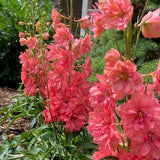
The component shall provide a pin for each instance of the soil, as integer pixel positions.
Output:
(20, 125)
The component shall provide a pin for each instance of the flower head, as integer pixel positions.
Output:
(117, 13)
(151, 24)
(85, 23)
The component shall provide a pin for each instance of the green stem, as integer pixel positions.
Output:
(143, 12)
(46, 77)
(128, 38)
(116, 41)
(33, 17)
(137, 40)
(71, 15)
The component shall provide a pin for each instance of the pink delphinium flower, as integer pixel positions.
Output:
(45, 35)
(117, 13)
(102, 126)
(156, 79)
(123, 155)
(32, 42)
(85, 23)
(22, 41)
(30, 87)
(124, 77)
(82, 46)
(101, 94)
(151, 24)
(62, 36)
(98, 23)
(56, 17)
(140, 113)
(22, 34)
(147, 143)
(111, 57)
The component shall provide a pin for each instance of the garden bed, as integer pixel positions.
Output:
(20, 125)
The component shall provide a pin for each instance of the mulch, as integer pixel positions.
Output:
(20, 125)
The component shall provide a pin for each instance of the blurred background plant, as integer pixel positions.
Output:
(11, 13)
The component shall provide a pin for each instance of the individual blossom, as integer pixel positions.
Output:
(123, 77)
(21, 23)
(37, 24)
(102, 126)
(56, 17)
(156, 79)
(22, 41)
(98, 24)
(32, 42)
(82, 46)
(111, 57)
(117, 13)
(147, 143)
(30, 87)
(84, 22)
(151, 24)
(101, 94)
(62, 36)
(139, 113)
(123, 155)
(45, 35)
(22, 34)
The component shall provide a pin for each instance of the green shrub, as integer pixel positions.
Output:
(11, 12)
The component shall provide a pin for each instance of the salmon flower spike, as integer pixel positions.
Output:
(151, 24)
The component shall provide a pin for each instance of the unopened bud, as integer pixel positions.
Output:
(21, 23)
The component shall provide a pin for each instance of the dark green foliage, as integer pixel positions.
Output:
(41, 144)
(11, 12)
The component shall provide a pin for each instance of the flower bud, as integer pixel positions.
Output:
(21, 23)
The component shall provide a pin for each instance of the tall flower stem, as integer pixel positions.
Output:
(116, 41)
(46, 76)
(137, 40)
(128, 38)
(71, 15)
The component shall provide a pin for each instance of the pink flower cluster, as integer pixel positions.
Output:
(68, 88)
(140, 114)
(113, 14)
(32, 75)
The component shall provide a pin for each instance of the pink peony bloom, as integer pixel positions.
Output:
(62, 36)
(117, 13)
(140, 113)
(124, 77)
(151, 24)
(85, 23)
